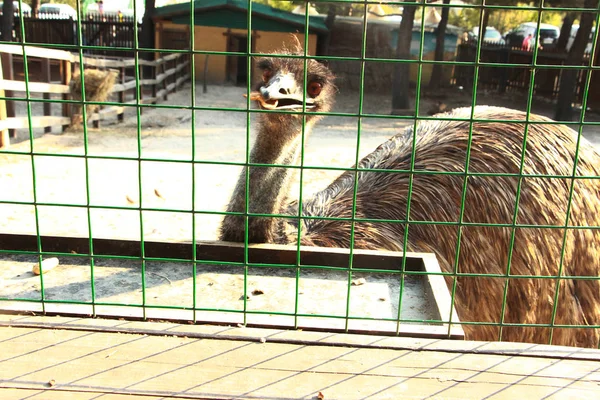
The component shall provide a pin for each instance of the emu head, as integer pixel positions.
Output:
(283, 87)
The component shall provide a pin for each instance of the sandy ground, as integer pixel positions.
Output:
(217, 288)
(166, 134)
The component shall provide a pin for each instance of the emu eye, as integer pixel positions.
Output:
(267, 74)
(314, 88)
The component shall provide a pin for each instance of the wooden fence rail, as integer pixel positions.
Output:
(167, 73)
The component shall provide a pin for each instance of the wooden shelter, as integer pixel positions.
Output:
(222, 26)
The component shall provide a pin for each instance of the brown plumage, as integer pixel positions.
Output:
(441, 146)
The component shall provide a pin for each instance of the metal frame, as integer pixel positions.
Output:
(144, 250)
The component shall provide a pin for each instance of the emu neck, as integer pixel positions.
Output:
(276, 143)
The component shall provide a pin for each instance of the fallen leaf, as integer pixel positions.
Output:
(108, 355)
(268, 104)
(320, 396)
(257, 292)
(130, 200)
(158, 194)
(51, 382)
(46, 265)
(359, 281)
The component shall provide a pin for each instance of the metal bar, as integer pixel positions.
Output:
(170, 69)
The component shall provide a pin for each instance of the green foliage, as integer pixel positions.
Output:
(351, 8)
(283, 5)
(507, 20)
(72, 3)
(503, 20)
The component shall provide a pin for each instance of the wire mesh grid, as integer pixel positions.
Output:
(245, 266)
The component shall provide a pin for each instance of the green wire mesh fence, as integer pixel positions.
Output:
(162, 262)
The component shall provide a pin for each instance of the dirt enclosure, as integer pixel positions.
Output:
(166, 134)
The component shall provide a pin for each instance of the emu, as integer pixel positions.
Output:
(441, 146)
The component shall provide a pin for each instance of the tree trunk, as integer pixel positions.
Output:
(565, 33)
(437, 74)
(484, 23)
(568, 77)
(35, 5)
(147, 36)
(324, 41)
(7, 21)
(401, 81)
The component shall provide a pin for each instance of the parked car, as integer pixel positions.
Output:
(548, 35)
(113, 9)
(114, 14)
(492, 36)
(26, 8)
(58, 11)
(574, 29)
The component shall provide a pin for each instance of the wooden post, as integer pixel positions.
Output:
(164, 81)
(204, 77)
(175, 62)
(140, 71)
(96, 122)
(121, 116)
(4, 136)
(46, 78)
(158, 39)
(154, 91)
(184, 71)
(504, 55)
(188, 68)
(188, 56)
(7, 64)
(65, 75)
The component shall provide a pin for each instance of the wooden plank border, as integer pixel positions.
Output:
(172, 75)
(165, 328)
(227, 252)
(222, 252)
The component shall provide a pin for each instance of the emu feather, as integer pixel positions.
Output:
(441, 146)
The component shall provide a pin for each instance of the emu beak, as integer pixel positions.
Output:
(282, 93)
